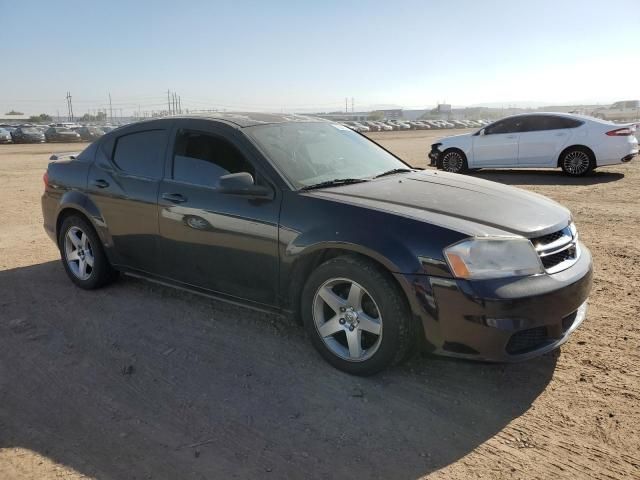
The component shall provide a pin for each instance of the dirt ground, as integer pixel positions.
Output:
(139, 381)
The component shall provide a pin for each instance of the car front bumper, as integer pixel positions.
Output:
(501, 320)
(434, 154)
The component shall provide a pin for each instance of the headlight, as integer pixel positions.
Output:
(482, 258)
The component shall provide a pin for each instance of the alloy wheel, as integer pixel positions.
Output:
(576, 162)
(347, 319)
(452, 162)
(78, 253)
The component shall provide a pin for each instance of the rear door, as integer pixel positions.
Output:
(543, 138)
(123, 182)
(222, 242)
(498, 147)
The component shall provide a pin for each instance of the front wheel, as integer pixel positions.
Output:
(453, 161)
(356, 316)
(577, 162)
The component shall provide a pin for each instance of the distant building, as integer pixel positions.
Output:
(11, 118)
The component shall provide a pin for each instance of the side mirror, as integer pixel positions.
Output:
(242, 183)
(481, 132)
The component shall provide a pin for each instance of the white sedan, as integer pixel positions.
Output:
(575, 143)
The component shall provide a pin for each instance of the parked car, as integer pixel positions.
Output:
(27, 134)
(62, 134)
(5, 136)
(373, 126)
(384, 127)
(627, 110)
(305, 217)
(89, 134)
(357, 126)
(401, 125)
(575, 143)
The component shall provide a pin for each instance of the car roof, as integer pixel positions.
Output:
(249, 119)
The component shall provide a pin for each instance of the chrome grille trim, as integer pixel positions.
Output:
(565, 240)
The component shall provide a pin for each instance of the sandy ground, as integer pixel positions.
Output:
(139, 381)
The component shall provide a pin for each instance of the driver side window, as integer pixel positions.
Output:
(201, 159)
(508, 125)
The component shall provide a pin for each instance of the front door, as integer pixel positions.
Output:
(222, 242)
(498, 145)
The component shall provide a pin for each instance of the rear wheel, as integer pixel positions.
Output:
(82, 254)
(356, 316)
(453, 161)
(577, 162)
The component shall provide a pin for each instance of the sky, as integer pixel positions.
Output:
(300, 55)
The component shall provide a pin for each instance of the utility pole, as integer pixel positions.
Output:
(352, 110)
(110, 109)
(168, 102)
(180, 104)
(346, 107)
(69, 107)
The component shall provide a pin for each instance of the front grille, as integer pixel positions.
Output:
(552, 237)
(555, 259)
(527, 340)
(558, 250)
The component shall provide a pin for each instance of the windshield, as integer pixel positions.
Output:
(30, 130)
(311, 153)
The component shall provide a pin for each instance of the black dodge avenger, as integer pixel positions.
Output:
(308, 218)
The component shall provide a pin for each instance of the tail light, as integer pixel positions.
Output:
(622, 132)
(45, 179)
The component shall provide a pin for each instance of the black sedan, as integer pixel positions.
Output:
(27, 135)
(62, 134)
(308, 218)
(89, 134)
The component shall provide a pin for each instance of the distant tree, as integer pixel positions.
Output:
(376, 116)
(99, 117)
(42, 118)
(13, 112)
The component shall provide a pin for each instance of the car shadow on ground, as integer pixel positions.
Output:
(545, 177)
(143, 381)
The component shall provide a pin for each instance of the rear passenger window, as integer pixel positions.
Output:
(536, 123)
(201, 159)
(141, 153)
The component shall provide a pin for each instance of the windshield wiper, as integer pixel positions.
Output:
(391, 172)
(334, 183)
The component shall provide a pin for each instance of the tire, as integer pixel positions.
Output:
(79, 244)
(368, 325)
(577, 162)
(453, 161)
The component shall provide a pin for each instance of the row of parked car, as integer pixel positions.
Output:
(58, 132)
(388, 125)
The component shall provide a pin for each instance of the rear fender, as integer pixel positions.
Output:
(75, 200)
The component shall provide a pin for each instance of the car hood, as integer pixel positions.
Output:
(459, 202)
(455, 138)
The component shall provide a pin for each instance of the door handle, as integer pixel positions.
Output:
(101, 183)
(511, 136)
(174, 197)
